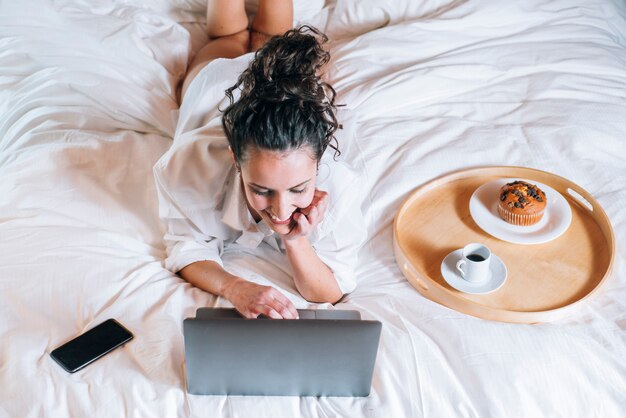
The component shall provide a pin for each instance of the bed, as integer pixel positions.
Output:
(88, 105)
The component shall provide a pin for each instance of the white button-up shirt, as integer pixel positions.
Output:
(202, 202)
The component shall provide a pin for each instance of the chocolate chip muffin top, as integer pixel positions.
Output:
(521, 197)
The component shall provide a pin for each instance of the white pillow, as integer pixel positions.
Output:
(179, 10)
(195, 10)
(355, 17)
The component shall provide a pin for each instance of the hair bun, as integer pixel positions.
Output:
(298, 87)
(283, 102)
(287, 67)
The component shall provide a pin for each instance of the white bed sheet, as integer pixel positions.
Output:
(87, 106)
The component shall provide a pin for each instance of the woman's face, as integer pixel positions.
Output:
(277, 184)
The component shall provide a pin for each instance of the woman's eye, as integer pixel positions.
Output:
(298, 191)
(260, 193)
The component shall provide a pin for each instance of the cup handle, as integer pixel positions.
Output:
(458, 267)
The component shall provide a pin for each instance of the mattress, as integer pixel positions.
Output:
(88, 105)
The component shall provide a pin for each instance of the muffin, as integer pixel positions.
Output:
(521, 203)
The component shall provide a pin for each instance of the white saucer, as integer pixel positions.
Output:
(556, 219)
(497, 275)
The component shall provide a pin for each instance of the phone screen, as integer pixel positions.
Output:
(90, 346)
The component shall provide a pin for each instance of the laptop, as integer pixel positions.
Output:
(324, 353)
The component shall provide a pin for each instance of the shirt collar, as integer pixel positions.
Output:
(235, 212)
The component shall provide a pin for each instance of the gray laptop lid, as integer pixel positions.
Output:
(229, 355)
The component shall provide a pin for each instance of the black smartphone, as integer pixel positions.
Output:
(91, 345)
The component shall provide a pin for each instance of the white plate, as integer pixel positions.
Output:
(484, 210)
(497, 275)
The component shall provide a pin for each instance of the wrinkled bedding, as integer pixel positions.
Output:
(88, 105)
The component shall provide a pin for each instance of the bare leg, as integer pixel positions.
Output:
(273, 17)
(225, 17)
(227, 27)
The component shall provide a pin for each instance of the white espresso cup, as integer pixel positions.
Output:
(475, 262)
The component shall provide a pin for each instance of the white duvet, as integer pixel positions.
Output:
(87, 105)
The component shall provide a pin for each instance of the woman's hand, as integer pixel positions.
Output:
(307, 219)
(252, 300)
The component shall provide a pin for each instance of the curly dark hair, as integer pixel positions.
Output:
(283, 103)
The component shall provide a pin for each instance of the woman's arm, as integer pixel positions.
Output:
(313, 279)
(209, 276)
(250, 299)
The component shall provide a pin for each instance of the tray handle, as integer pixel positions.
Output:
(578, 197)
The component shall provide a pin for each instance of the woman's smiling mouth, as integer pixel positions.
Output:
(277, 221)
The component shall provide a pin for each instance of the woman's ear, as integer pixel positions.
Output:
(232, 157)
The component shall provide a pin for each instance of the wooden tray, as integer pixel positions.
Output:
(545, 281)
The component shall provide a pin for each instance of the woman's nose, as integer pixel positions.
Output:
(282, 207)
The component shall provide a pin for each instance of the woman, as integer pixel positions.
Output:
(259, 185)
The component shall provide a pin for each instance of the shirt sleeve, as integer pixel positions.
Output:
(339, 251)
(185, 242)
(189, 181)
(343, 230)
(190, 177)
(183, 250)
